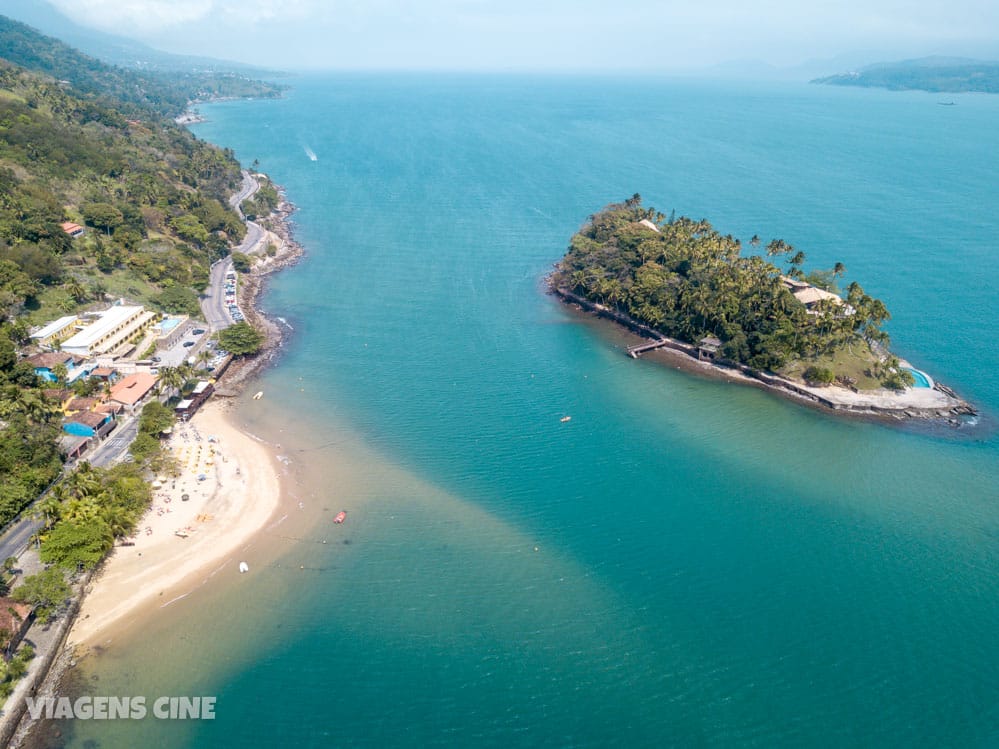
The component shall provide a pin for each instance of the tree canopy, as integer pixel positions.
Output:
(683, 278)
(47, 591)
(241, 339)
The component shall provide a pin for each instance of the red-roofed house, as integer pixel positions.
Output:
(128, 391)
(15, 618)
(74, 230)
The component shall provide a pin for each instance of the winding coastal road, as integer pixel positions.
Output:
(213, 303)
(18, 535)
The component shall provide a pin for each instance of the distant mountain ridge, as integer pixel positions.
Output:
(936, 74)
(164, 93)
(114, 49)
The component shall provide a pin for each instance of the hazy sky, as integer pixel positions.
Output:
(546, 34)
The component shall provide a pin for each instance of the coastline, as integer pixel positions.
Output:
(937, 404)
(242, 490)
(133, 581)
(221, 517)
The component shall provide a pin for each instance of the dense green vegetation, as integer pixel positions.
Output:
(29, 457)
(135, 93)
(264, 202)
(14, 670)
(938, 75)
(88, 510)
(241, 339)
(688, 281)
(47, 591)
(84, 142)
(95, 146)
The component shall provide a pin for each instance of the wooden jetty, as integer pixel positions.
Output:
(635, 351)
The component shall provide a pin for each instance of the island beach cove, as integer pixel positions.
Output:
(685, 562)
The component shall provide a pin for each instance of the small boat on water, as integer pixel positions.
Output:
(565, 419)
(244, 567)
(340, 517)
(258, 395)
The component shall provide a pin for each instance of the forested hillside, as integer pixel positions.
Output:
(131, 92)
(83, 142)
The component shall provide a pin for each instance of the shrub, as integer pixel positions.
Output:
(819, 376)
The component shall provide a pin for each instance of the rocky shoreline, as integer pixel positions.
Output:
(289, 252)
(939, 404)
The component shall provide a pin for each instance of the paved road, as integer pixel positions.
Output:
(247, 189)
(17, 537)
(213, 304)
(116, 444)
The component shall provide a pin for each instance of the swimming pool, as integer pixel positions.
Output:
(922, 380)
(169, 324)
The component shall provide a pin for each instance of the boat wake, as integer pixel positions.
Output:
(311, 154)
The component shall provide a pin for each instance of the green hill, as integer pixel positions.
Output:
(85, 142)
(130, 91)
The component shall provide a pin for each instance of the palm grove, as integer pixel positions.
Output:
(683, 278)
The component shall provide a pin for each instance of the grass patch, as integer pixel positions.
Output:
(849, 361)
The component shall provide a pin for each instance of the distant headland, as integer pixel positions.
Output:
(934, 74)
(687, 288)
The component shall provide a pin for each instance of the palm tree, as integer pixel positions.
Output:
(81, 510)
(50, 508)
(171, 378)
(76, 290)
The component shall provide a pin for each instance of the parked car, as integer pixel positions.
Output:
(198, 331)
(188, 343)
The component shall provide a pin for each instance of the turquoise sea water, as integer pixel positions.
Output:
(686, 562)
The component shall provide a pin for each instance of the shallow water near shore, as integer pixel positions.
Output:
(686, 561)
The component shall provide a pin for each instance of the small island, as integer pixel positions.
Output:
(688, 289)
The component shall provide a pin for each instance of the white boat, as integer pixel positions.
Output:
(258, 395)
(244, 567)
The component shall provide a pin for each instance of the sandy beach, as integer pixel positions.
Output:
(232, 489)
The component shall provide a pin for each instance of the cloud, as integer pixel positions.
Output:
(138, 15)
(148, 16)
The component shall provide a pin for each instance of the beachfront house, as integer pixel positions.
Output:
(812, 296)
(131, 389)
(187, 407)
(89, 424)
(55, 332)
(46, 364)
(110, 331)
